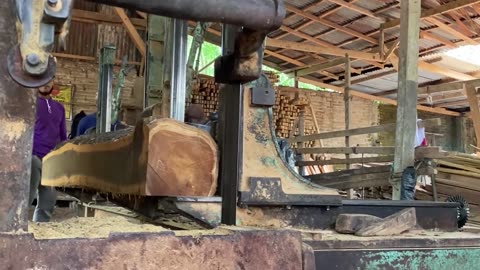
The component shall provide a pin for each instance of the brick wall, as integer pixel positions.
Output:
(83, 76)
(330, 113)
(458, 132)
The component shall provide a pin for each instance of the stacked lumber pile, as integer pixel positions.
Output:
(205, 92)
(458, 174)
(285, 112)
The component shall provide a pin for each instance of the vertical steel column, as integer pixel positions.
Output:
(179, 69)
(155, 60)
(231, 129)
(104, 99)
(17, 118)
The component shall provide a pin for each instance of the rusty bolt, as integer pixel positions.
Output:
(52, 3)
(33, 59)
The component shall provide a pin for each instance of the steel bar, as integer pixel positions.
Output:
(253, 14)
(179, 69)
(231, 130)
(104, 99)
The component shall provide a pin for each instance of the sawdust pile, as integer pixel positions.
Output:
(87, 227)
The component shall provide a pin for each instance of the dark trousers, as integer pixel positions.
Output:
(46, 196)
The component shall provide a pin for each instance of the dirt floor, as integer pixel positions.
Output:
(66, 224)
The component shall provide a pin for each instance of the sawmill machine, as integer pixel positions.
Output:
(254, 177)
(257, 186)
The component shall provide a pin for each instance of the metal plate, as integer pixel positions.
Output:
(15, 69)
(268, 191)
(263, 96)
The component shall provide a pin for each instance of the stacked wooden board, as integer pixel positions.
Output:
(206, 92)
(458, 174)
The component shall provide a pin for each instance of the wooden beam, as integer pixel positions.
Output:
(474, 109)
(330, 24)
(347, 102)
(451, 30)
(97, 17)
(142, 14)
(450, 6)
(356, 8)
(430, 36)
(89, 58)
(463, 102)
(392, 50)
(352, 132)
(305, 36)
(344, 133)
(335, 161)
(296, 62)
(131, 31)
(317, 67)
(321, 50)
(375, 98)
(446, 87)
(463, 28)
(444, 71)
(407, 92)
(385, 150)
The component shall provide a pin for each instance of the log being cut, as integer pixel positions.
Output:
(160, 157)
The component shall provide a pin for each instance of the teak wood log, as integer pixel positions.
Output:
(160, 157)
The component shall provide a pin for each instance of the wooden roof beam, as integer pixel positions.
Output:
(330, 24)
(430, 36)
(298, 63)
(355, 8)
(375, 98)
(97, 17)
(131, 31)
(322, 15)
(322, 50)
(450, 6)
(451, 30)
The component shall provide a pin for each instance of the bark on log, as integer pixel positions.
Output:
(160, 157)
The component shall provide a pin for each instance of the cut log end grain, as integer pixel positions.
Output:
(158, 158)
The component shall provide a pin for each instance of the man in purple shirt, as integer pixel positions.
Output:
(49, 131)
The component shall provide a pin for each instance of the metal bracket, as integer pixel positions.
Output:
(263, 96)
(37, 24)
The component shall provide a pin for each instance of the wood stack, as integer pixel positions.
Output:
(205, 92)
(458, 174)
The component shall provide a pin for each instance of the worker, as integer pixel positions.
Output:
(49, 131)
(89, 123)
(195, 115)
(409, 177)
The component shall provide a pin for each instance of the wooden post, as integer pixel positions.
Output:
(407, 91)
(346, 96)
(381, 43)
(475, 110)
(295, 80)
(301, 132)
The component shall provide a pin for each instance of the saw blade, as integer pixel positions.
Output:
(463, 210)
(14, 65)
